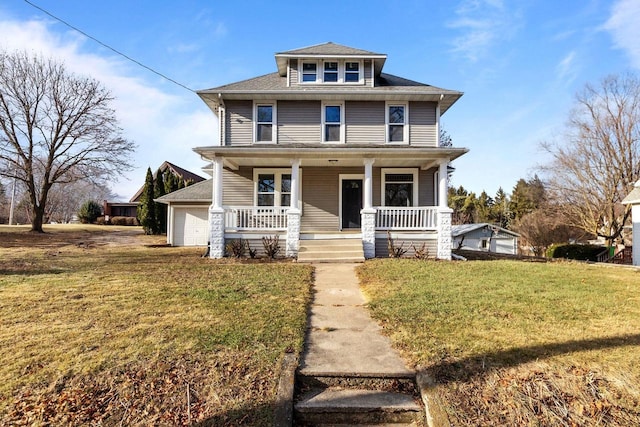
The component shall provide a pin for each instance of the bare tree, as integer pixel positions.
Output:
(597, 163)
(55, 128)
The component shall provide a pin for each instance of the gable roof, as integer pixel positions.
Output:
(461, 229)
(199, 192)
(633, 198)
(176, 170)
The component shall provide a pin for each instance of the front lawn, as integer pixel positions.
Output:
(94, 332)
(515, 343)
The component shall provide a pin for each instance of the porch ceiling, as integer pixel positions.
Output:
(331, 156)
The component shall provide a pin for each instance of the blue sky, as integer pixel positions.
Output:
(519, 63)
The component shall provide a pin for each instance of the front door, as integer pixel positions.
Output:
(351, 203)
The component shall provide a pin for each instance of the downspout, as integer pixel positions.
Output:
(222, 117)
(438, 119)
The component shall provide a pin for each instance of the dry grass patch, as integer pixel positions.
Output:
(104, 333)
(514, 343)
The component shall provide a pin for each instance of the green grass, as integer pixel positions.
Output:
(473, 324)
(101, 332)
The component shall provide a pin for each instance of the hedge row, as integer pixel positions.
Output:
(118, 220)
(578, 252)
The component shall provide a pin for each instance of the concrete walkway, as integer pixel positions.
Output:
(343, 339)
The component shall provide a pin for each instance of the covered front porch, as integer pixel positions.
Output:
(311, 193)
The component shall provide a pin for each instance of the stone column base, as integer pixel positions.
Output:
(216, 232)
(368, 227)
(293, 233)
(444, 233)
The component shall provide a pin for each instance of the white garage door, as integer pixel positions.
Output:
(190, 226)
(503, 246)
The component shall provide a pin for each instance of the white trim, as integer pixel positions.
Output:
(341, 178)
(274, 121)
(320, 71)
(277, 172)
(405, 129)
(416, 179)
(342, 126)
(436, 187)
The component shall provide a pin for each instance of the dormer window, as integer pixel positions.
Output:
(330, 72)
(351, 72)
(309, 72)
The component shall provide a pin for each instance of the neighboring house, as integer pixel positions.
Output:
(633, 199)
(130, 209)
(326, 147)
(485, 237)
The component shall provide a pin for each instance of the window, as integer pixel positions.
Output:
(396, 123)
(352, 72)
(332, 119)
(264, 123)
(330, 72)
(309, 72)
(273, 187)
(400, 187)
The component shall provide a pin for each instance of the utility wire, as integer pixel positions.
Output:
(108, 47)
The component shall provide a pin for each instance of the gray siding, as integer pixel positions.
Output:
(368, 72)
(382, 245)
(365, 122)
(238, 187)
(422, 121)
(293, 71)
(299, 122)
(320, 199)
(239, 123)
(426, 196)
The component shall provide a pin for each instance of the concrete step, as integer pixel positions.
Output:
(331, 250)
(336, 405)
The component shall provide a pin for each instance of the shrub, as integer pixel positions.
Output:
(577, 252)
(89, 212)
(422, 252)
(395, 251)
(123, 220)
(101, 220)
(236, 248)
(271, 246)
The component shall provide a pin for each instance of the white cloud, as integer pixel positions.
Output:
(163, 125)
(566, 69)
(480, 24)
(623, 24)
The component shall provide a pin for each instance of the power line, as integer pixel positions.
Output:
(108, 47)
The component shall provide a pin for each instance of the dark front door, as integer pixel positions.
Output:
(351, 203)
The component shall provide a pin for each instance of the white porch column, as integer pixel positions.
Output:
(216, 213)
(294, 213)
(368, 213)
(444, 213)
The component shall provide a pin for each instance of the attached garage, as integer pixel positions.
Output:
(190, 226)
(188, 214)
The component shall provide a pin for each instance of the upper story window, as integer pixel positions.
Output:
(264, 125)
(332, 122)
(330, 72)
(351, 72)
(309, 72)
(397, 129)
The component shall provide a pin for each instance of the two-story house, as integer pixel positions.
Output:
(328, 147)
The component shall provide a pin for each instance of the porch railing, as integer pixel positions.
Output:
(255, 217)
(409, 218)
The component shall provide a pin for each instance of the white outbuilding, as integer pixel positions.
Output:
(633, 199)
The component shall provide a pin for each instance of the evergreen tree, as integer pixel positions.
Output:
(170, 182)
(160, 208)
(483, 211)
(147, 212)
(89, 212)
(501, 215)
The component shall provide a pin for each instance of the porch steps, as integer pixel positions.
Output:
(357, 401)
(331, 250)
